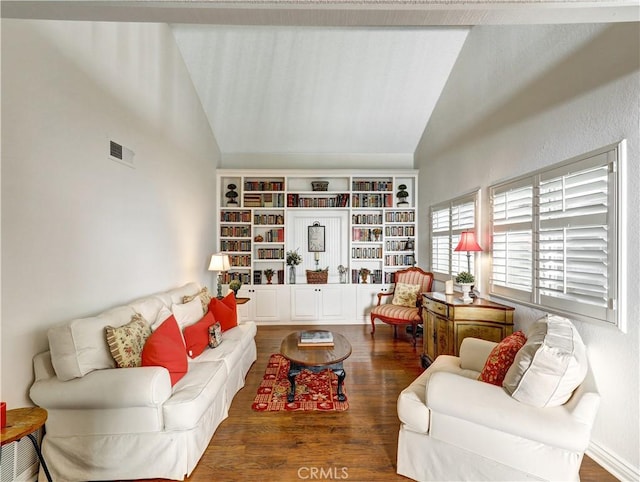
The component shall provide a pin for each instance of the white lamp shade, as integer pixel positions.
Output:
(219, 262)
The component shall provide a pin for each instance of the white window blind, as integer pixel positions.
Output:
(448, 220)
(554, 237)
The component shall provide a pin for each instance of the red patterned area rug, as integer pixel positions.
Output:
(314, 391)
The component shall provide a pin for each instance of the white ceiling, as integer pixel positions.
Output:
(318, 90)
(322, 76)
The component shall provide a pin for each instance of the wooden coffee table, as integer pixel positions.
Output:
(315, 359)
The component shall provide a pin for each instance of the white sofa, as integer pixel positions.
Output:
(108, 423)
(455, 427)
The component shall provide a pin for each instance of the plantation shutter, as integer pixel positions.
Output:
(440, 243)
(512, 246)
(462, 219)
(573, 269)
(448, 221)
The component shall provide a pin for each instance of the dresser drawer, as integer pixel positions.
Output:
(435, 307)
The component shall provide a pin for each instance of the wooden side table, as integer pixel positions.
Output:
(24, 422)
(447, 321)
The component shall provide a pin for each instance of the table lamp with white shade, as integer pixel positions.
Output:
(220, 263)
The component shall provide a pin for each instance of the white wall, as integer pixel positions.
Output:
(81, 233)
(518, 99)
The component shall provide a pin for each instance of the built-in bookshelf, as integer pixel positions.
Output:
(254, 207)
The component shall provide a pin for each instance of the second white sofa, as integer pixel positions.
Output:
(108, 423)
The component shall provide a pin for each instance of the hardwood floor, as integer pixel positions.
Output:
(357, 445)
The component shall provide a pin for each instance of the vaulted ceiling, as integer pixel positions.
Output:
(321, 76)
(318, 90)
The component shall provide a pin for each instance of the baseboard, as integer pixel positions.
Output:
(616, 467)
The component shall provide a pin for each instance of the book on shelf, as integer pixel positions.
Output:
(316, 338)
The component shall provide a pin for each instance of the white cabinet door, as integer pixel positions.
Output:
(331, 303)
(304, 303)
(367, 298)
(264, 304)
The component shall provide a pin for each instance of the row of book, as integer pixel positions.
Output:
(235, 216)
(240, 260)
(366, 218)
(399, 231)
(235, 231)
(264, 200)
(400, 216)
(372, 200)
(337, 201)
(264, 185)
(371, 186)
(399, 245)
(366, 253)
(271, 253)
(268, 219)
(235, 245)
(399, 259)
(244, 278)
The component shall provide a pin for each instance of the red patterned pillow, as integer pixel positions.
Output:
(501, 358)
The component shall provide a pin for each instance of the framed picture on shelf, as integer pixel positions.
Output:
(316, 238)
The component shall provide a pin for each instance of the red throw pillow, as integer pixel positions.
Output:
(501, 358)
(165, 348)
(224, 311)
(196, 336)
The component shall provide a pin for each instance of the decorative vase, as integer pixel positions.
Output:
(466, 288)
(364, 275)
(269, 279)
(292, 275)
(231, 195)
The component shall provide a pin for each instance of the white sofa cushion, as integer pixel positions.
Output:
(188, 313)
(550, 366)
(79, 346)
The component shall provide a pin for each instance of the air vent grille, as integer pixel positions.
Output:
(115, 150)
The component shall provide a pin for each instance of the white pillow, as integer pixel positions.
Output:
(550, 365)
(188, 313)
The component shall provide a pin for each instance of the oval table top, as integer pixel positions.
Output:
(22, 422)
(315, 355)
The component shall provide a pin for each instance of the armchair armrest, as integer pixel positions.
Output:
(490, 406)
(108, 388)
(381, 294)
(474, 353)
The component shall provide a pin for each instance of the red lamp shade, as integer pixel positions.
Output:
(468, 242)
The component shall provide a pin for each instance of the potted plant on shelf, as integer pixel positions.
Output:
(235, 285)
(364, 274)
(402, 195)
(465, 280)
(269, 274)
(293, 259)
(376, 233)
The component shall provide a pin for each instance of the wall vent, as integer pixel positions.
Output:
(120, 153)
(19, 460)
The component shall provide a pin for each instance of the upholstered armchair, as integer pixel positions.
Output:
(475, 417)
(403, 305)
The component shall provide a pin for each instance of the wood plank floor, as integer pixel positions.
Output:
(357, 445)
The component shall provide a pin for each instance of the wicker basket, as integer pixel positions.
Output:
(317, 277)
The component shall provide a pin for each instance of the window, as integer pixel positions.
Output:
(555, 237)
(448, 220)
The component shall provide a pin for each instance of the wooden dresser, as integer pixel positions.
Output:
(447, 321)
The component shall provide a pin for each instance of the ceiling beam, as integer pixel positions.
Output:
(338, 13)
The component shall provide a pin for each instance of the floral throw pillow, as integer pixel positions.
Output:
(127, 341)
(405, 295)
(501, 358)
(205, 298)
